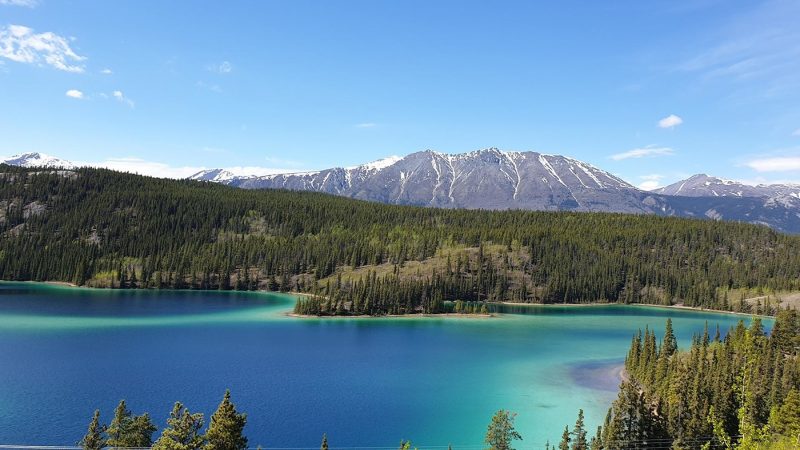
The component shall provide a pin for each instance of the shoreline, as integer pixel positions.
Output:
(67, 284)
(649, 305)
(393, 316)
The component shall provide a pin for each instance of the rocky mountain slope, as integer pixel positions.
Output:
(484, 179)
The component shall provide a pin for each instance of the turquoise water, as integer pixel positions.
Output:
(365, 382)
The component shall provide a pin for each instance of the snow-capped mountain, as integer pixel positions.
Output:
(35, 159)
(702, 185)
(494, 179)
(490, 179)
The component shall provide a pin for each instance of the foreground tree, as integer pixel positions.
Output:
(579, 434)
(94, 436)
(127, 430)
(501, 432)
(324, 445)
(226, 430)
(182, 431)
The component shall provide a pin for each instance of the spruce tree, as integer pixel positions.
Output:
(670, 344)
(579, 434)
(226, 429)
(93, 440)
(501, 433)
(324, 445)
(565, 439)
(182, 431)
(118, 426)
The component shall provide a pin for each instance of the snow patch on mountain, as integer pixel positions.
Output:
(36, 159)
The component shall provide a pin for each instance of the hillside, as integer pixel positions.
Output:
(101, 228)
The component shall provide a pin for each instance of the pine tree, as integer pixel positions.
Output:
(564, 444)
(118, 426)
(93, 440)
(579, 434)
(182, 431)
(324, 445)
(501, 433)
(670, 344)
(226, 429)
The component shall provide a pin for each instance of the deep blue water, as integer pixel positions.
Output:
(364, 382)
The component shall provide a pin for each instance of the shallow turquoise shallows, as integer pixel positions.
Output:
(364, 382)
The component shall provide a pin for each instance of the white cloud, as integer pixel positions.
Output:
(366, 125)
(650, 182)
(210, 86)
(222, 68)
(648, 151)
(162, 170)
(106, 71)
(671, 121)
(20, 44)
(25, 3)
(74, 93)
(122, 99)
(775, 164)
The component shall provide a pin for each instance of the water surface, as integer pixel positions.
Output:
(365, 382)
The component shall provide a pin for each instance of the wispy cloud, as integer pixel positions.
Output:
(210, 86)
(163, 170)
(650, 182)
(74, 93)
(366, 125)
(25, 3)
(671, 121)
(775, 163)
(649, 151)
(223, 68)
(106, 71)
(762, 44)
(123, 99)
(20, 44)
(796, 132)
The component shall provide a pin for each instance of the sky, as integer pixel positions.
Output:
(650, 91)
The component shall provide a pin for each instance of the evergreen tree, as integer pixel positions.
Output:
(127, 430)
(579, 434)
(119, 425)
(670, 344)
(226, 429)
(182, 431)
(324, 445)
(565, 439)
(501, 433)
(93, 440)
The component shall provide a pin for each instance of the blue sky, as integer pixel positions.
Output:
(651, 91)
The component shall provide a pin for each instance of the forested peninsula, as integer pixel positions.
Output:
(100, 228)
(738, 389)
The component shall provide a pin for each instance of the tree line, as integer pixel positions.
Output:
(225, 431)
(184, 430)
(101, 228)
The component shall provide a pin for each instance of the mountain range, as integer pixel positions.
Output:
(495, 179)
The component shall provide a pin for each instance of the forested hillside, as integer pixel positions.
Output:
(101, 228)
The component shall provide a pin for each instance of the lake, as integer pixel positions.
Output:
(365, 382)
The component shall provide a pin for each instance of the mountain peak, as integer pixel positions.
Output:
(36, 159)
